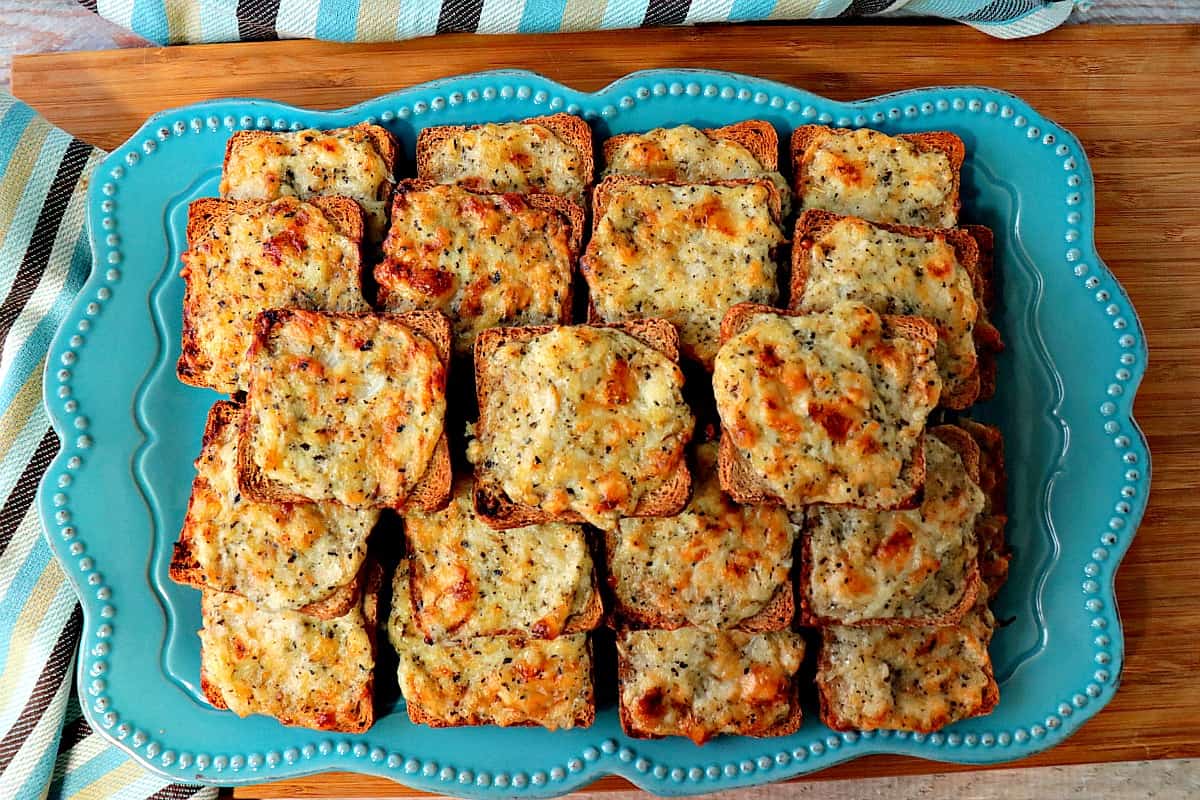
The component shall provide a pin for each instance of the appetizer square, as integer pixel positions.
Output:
(686, 253)
(246, 257)
(701, 684)
(906, 679)
(467, 579)
(824, 407)
(550, 155)
(895, 269)
(910, 179)
(684, 154)
(483, 259)
(581, 423)
(915, 567)
(301, 670)
(356, 162)
(297, 556)
(716, 565)
(349, 408)
(491, 680)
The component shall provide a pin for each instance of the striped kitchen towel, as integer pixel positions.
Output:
(189, 21)
(46, 747)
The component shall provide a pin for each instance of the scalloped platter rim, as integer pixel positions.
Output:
(113, 498)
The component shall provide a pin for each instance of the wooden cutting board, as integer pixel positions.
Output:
(1131, 94)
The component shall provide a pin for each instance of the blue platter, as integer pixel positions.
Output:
(113, 500)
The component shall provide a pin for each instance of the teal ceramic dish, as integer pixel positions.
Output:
(114, 498)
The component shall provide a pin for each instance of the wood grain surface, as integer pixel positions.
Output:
(1131, 94)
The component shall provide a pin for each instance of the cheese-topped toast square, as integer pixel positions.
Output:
(490, 680)
(302, 556)
(247, 257)
(715, 565)
(581, 423)
(301, 670)
(551, 155)
(910, 179)
(824, 407)
(685, 253)
(348, 408)
(702, 684)
(468, 579)
(357, 162)
(482, 259)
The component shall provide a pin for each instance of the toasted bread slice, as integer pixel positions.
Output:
(264, 165)
(987, 338)
(492, 503)
(692, 683)
(994, 553)
(633, 271)
(413, 348)
(467, 579)
(756, 135)
(490, 680)
(244, 257)
(908, 679)
(483, 259)
(885, 545)
(305, 557)
(530, 174)
(301, 670)
(747, 487)
(716, 565)
(855, 176)
(958, 358)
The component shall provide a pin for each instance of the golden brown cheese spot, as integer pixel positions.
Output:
(685, 253)
(491, 680)
(864, 173)
(842, 433)
(713, 566)
(584, 419)
(913, 679)
(684, 154)
(484, 260)
(279, 555)
(470, 580)
(897, 564)
(313, 163)
(299, 669)
(283, 254)
(898, 274)
(346, 409)
(702, 684)
(508, 157)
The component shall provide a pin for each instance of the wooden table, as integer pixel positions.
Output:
(1131, 94)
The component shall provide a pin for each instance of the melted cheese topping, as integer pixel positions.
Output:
(470, 580)
(826, 408)
(897, 564)
(343, 161)
(913, 679)
(864, 173)
(279, 555)
(701, 684)
(685, 253)
(346, 409)
(897, 274)
(712, 566)
(517, 157)
(299, 669)
(684, 154)
(284, 254)
(484, 260)
(492, 680)
(583, 419)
